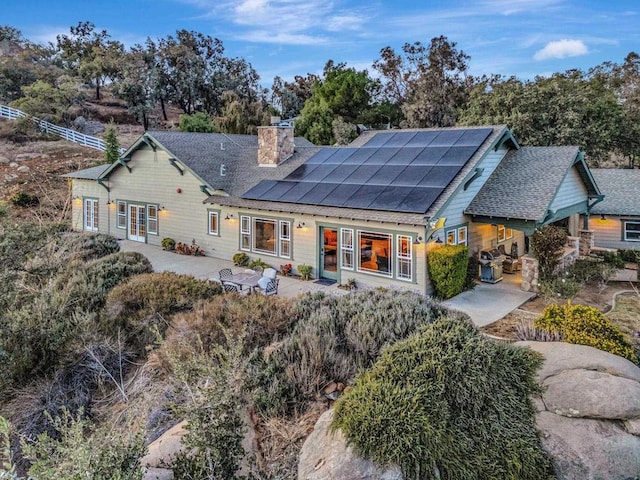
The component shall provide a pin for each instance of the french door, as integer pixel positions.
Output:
(137, 229)
(91, 214)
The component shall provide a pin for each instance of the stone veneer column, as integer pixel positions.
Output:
(586, 242)
(530, 273)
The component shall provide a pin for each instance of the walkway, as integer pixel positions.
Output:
(488, 302)
(208, 267)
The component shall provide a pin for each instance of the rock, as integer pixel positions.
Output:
(13, 164)
(325, 455)
(23, 169)
(158, 474)
(561, 356)
(633, 426)
(589, 449)
(592, 394)
(21, 157)
(5, 160)
(10, 176)
(163, 451)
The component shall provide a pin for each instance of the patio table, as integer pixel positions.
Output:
(245, 279)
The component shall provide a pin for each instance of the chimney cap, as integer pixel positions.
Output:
(275, 120)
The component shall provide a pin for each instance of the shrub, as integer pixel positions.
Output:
(140, 305)
(258, 263)
(560, 287)
(168, 244)
(241, 259)
(448, 269)
(473, 268)
(429, 405)
(3, 210)
(305, 271)
(632, 256)
(612, 259)
(198, 122)
(193, 249)
(333, 338)
(22, 199)
(82, 246)
(585, 325)
(547, 243)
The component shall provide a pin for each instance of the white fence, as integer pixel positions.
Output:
(50, 128)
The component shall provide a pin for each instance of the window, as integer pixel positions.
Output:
(285, 239)
(214, 219)
(346, 246)
(457, 236)
(265, 235)
(245, 233)
(404, 256)
(91, 214)
(152, 219)
(374, 252)
(504, 233)
(632, 231)
(121, 214)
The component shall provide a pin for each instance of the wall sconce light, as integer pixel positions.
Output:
(438, 241)
(602, 217)
(75, 197)
(300, 224)
(161, 208)
(417, 240)
(108, 202)
(229, 216)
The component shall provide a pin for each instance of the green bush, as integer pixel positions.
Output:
(448, 269)
(198, 122)
(547, 243)
(305, 271)
(585, 325)
(560, 287)
(629, 255)
(22, 199)
(333, 338)
(258, 263)
(473, 268)
(3, 210)
(168, 244)
(448, 403)
(241, 259)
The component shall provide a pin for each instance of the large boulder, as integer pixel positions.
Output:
(589, 414)
(163, 451)
(325, 455)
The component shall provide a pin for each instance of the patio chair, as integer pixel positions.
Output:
(270, 273)
(225, 274)
(229, 287)
(271, 287)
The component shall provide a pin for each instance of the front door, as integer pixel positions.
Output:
(137, 223)
(328, 253)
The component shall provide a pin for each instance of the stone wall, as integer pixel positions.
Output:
(275, 144)
(530, 273)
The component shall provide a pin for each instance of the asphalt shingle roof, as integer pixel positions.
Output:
(205, 153)
(621, 189)
(524, 183)
(93, 173)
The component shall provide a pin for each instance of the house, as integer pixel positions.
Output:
(615, 222)
(369, 211)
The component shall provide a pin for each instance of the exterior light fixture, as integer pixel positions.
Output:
(417, 241)
(438, 240)
(300, 224)
(161, 208)
(229, 216)
(602, 217)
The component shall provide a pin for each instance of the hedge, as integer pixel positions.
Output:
(448, 269)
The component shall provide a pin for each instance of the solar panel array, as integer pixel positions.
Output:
(400, 172)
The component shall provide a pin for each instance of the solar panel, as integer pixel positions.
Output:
(396, 171)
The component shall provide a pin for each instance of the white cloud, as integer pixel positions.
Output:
(562, 49)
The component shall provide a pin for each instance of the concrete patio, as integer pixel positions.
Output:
(208, 267)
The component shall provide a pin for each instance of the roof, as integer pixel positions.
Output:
(525, 183)
(205, 153)
(620, 189)
(93, 173)
(393, 170)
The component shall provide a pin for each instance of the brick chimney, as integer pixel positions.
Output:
(275, 145)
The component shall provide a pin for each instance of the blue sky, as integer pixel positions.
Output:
(288, 37)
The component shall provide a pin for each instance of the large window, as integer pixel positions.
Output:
(265, 235)
(152, 219)
(457, 236)
(346, 246)
(121, 214)
(631, 230)
(214, 223)
(375, 249)
(91, 214)
(404, 256)
(504, 233)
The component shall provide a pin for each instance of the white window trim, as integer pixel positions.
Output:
(245, 232)
(466, 235)
(273, 253)
(280, 238)
(284, 239)
(216, 214)
(346, 247)
(504, 233)
(121, 216)
(625, 231)
(151, 219)
(406, 256)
